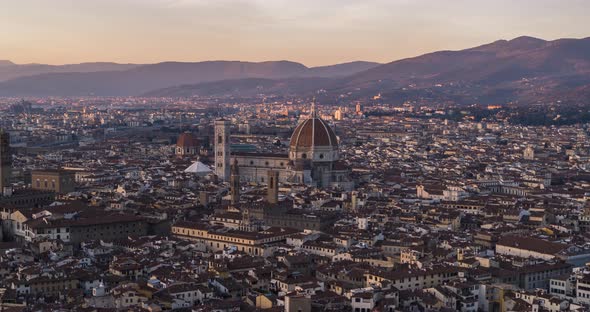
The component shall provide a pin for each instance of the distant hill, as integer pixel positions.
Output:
(340, 70)
(84, 79)
(501, 61)
(10, 70)
(248, 87)
(521, 70)
(6, 63)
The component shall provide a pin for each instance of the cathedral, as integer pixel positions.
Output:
(313, 158)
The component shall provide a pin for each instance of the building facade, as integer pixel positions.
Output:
(251, 243)
(59, 181)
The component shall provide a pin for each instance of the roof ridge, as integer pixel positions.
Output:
(327, 131)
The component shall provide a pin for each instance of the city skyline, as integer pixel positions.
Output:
(313, 33)
(295, 155)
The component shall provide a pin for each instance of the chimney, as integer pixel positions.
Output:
(235, 183)
(273, 187)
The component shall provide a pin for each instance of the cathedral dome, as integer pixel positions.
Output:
(314, 140)
(187, 144)
(187, 140)
(313, 132)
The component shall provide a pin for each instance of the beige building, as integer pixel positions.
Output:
(52, 286)
(528, 247)
(264, 302)
(297, 303)
(404, 279)
(252, 243)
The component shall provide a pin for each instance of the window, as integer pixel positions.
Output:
(304, 156)
(219, 139)
(321, 156)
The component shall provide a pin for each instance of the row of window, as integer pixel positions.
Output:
(243, 248)
(558, 283)
(219, 237)
(50, 231)
(266, 163)
(45, 184)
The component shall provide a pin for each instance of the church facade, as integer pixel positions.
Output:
(313, 158)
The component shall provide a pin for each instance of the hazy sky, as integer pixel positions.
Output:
(314, 32)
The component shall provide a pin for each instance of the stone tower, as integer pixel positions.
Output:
(222, 149)
(5, 161)
(235, 183)
(529, 153)
(273, 187)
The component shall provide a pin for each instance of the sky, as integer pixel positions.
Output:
(313, 32)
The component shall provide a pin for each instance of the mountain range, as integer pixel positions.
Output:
(111, 79)
(10, 70)
(521, 70)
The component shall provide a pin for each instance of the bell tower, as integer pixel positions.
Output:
(5, 161)
(222, 149)
(273, 187)
(235, 183)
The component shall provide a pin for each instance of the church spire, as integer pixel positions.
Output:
(234, 169)
(313, 112)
